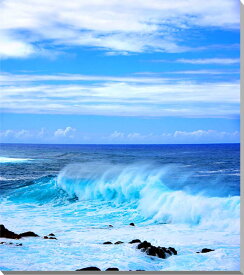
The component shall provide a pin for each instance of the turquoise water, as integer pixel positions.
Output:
(184, 196)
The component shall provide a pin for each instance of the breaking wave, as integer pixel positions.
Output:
(153, 191)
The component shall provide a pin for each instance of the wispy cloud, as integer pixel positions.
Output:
(176, 137)
(119, 96)
(219, 61)
(31, 26)
(71, 135)
(66, 132)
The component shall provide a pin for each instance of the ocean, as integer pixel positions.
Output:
(183, 196)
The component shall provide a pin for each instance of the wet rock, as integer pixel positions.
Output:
(205, 250)
(173, 250)
(28, 234)
(107, 243)
(132, 224)
(51, 234)
(5, 233)
(49, 238)
(118, 242)
(112, 269)
(152, 251)
(160, 252)
(135, 241)
(90, 268)
(144, 245)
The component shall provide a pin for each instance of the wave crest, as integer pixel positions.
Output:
(146, 188)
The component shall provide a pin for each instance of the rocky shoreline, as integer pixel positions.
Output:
(144, 246)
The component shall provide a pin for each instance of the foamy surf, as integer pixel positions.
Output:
(170, 203)
(13, 160)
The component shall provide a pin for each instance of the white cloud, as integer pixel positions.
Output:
(176, 137)
(71, 135)
(16, 134)
(220, 61)
(207, 72)
(6, 78)
(116, 134)
(121, 96)
(204, 133)
(12, 47)
(117, 26)
(67, 132)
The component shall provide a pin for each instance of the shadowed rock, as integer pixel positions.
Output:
(144, 245)
(135, 241)
(49, 238)
(112, 269)
(151, 250)
(205, 250)
(118, 242)
(28, 234)
(172, 250)
(90, 268)
(5, 233)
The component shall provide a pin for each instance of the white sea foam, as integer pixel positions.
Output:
(13, 160)
(119, 195)
(156, 202)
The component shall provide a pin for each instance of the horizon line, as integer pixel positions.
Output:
(214, 143)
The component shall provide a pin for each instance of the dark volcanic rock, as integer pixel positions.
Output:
(49, 238)
(90, 268)
(28, 234)
(205, 250)
(132, 224)
(172, 250)
(5, 233)
(161, 253)
(112, 269)
(107, 243)
(118, 242)
(151, 250)
(144, 245)
(135, 241)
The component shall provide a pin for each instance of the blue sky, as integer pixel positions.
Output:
(120, 71)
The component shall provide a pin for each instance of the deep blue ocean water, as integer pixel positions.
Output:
(185, 196)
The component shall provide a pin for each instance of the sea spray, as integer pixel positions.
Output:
(146, 187)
